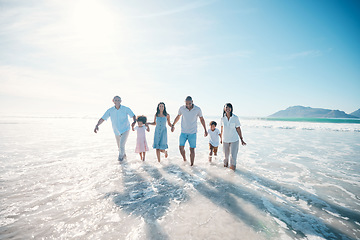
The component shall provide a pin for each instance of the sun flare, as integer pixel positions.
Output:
(92, 22)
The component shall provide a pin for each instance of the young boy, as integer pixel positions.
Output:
(214, 135)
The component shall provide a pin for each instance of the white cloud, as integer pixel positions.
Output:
(70, 29)
(184, 8)
(309, 53)
(72, 93)
(189, 56)
(276, 68)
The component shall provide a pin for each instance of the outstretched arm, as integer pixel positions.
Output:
(204, 125)
(152, 123)
(168, 120)
(175, 121)
(238, 129)
(98, 124)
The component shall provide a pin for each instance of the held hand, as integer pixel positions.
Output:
(96, 129)
(172, 128)
(205, 134)
(132, 126)
(243, 143)
(220, 141)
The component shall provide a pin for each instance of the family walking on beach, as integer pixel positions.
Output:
(230, 135)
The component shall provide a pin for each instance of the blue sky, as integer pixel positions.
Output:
(262, 56)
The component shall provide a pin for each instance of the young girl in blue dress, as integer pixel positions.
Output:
(160, 135)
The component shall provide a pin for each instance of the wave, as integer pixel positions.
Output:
(308, 129)
(304, 126)
(315, 120)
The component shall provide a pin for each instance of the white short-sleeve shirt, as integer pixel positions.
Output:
(189, 119)
(229, 128)
(214, 137)
(119, 118)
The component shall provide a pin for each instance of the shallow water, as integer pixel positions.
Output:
(59, 180)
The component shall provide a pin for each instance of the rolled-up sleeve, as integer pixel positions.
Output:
(106, 115)
(130, 113)
(200, 113)
(237, 122)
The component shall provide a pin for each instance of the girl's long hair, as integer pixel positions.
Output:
(158, 109)
(230, 106)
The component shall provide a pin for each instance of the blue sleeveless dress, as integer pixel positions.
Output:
(160, 135)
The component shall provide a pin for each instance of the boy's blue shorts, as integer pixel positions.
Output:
(188, 137)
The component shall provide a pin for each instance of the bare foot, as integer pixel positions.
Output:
(166, 154)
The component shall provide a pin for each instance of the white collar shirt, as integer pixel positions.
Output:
(119, 118)
(229, 128)
(189, 119)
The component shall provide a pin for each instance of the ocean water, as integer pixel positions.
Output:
(315, 120)
(294, 180)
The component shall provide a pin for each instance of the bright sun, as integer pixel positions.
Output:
(92, 22)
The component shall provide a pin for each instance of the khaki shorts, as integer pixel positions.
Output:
(213, 149)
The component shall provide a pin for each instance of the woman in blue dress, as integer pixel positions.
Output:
(160, 135)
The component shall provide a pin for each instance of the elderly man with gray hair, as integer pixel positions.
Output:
(119, 116)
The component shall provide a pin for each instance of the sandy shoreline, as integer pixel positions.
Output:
(60, 180)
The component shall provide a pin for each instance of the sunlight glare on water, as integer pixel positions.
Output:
(60, 180)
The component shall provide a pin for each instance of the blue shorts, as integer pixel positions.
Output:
(188, 137)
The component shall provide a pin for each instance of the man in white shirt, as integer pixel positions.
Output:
(119, 116)
(189, 114)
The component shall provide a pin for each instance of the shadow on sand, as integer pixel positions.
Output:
(315, 203)
(299, 221)
(149, 200)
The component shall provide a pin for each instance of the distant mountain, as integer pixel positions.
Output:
(356, 113)
(308, 112)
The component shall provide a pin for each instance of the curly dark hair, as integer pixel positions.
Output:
(142, 119)
(213, 123)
